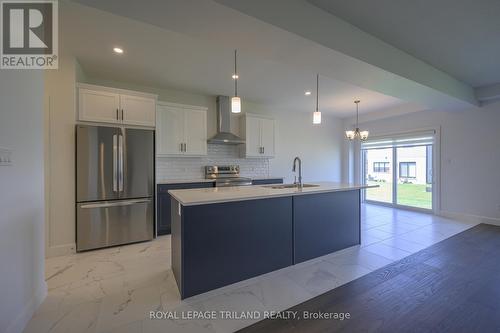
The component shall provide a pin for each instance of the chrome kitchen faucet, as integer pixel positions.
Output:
(299, 183)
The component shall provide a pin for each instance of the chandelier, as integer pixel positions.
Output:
(357, 134)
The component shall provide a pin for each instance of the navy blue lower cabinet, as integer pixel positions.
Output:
(218, 244)
(267, 181)
(325, 223)
(163, 203)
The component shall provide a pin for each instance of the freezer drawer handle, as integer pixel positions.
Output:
(114, 204)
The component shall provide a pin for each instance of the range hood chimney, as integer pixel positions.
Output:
(224, 135)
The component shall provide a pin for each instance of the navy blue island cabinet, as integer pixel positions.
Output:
(217, 244)
(163, 223)
(324, 223)
(163, 199)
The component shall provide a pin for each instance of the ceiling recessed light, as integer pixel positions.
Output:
(307, 93)
(118, 50)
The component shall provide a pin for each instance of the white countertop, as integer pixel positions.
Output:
(212, 195)
(182, 181)
(203, 180)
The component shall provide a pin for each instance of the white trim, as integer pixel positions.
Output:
(121, 125)
(60, 250)
(403, 133)
(19, 323)
(256, 115)
(398, 206)
(116, 90)
(469, 218)
(182, 106)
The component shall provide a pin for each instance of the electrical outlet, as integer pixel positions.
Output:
(5, 157)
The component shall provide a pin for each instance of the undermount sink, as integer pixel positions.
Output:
(284, 186)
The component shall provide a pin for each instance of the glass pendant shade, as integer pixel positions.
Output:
(316, 117)
(363, 135)
(235, 101)
(350, 135)
(235, 104)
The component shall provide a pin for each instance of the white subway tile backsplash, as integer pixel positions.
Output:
(172, 168)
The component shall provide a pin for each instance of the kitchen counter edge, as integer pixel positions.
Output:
(232, 194)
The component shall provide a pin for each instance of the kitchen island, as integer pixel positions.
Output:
(228, 234)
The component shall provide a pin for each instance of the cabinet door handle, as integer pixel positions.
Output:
(117, 114)
(122, 114)
(180, 148)
(185, 147)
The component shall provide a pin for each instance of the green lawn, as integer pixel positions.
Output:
(413, 195)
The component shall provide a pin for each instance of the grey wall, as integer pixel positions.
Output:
(22, 284)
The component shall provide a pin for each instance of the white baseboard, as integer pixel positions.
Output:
(470, 218)
(19, 323)
(60, 250)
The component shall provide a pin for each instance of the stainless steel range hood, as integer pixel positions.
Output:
(224, 135)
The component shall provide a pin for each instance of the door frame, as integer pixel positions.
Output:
(436, 173)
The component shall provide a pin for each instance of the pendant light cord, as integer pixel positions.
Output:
(236, 76)
(357, 113)
(317, 92)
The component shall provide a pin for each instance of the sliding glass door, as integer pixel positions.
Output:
(378, 171)
(402, 167)
(414, 175)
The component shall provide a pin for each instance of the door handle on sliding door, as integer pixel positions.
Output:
(120, 163)
(115, 163)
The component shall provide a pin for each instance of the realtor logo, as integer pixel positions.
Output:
(29, 34)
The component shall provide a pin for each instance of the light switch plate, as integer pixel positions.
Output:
(5, 157)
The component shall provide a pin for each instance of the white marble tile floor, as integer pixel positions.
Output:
(114, 290)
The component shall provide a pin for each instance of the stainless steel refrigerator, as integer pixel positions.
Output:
(114, 186)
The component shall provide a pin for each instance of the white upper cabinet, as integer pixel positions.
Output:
(258, 132)
(169, 130)
(116, 106)
(267, 137)
(251, 133)
(138, 110)
(181, 130)
(98, 106)
(196, 131)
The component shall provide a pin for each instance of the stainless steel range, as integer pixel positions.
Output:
(226, 175)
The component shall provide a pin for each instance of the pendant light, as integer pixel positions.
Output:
(357, 134)
(235, 101)
(317, 113)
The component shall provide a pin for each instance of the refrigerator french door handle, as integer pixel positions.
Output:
(115, 204)
(120, 163)
(115, 163)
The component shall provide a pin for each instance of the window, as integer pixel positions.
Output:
(407, 169)
(381, 167)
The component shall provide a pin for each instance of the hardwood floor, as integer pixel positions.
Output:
(452, 286)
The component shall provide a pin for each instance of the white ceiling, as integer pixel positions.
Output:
(162, 58)
(460, 37)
